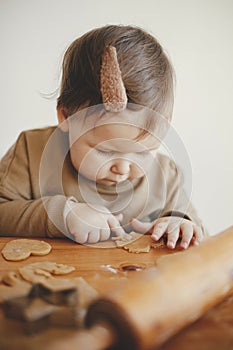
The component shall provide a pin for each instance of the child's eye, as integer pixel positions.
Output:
(144, 153)
(105, 152)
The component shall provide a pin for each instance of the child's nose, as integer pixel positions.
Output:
(121, 167)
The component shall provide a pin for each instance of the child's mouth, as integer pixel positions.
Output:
(112, 181)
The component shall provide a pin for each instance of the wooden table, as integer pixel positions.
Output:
(214, 331)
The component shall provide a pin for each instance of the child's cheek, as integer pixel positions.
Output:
(89, 166)
(104, 170)
(139, 165)
(137, 172)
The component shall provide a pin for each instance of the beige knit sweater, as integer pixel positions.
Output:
(34, 191)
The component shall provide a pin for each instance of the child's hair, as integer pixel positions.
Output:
(146, 71)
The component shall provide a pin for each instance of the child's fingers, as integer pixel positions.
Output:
(119, 217)
(140, 226)
(80, 237)
(173, 232)
(116, 227)
(187, 234)
(93, 236)
(159, 229)
(198, 234)
(104, 234)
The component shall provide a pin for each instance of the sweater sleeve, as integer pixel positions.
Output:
(21, 214)
(177, 203)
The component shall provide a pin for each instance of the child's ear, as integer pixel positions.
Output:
(62, 117)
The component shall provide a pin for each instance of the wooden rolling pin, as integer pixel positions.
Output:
(146, 311)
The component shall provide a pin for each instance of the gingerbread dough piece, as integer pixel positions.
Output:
(40, 272)
(13, 286)
(139, 243)
(12, 278)
(121, 241)
(20, 249)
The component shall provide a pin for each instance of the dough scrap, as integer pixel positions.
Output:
(12, 278)
(121, 241)
(13, 286)
(40, 272)
(139, 243)
(21, 249)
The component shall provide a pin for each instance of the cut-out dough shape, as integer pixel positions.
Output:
(139, 243)
(21, 249)
(42, 271)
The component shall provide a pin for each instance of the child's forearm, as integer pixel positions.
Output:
(29, 218)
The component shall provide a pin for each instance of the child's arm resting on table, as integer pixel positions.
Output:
(21, 213)
(182, 221)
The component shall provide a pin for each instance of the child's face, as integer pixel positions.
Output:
(109, 154)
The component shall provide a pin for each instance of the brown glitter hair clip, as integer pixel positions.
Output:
(111, 84)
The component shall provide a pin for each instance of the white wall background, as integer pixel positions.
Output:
(197, 34)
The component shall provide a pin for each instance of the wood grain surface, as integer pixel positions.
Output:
(101, 267)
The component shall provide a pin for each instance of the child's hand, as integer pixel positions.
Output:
(90, 225)
(174, 227)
